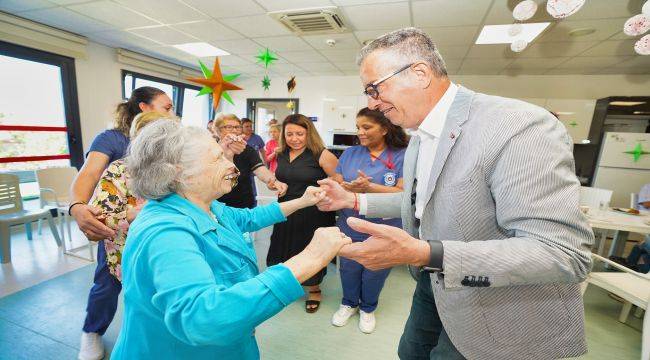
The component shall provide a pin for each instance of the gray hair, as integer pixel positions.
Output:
(412, 44)
(163, 156)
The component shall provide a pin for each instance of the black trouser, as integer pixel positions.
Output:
(424, 337)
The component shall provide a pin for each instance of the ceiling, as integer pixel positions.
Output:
(242, 27)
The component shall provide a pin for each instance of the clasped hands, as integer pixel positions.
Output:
(387, 246)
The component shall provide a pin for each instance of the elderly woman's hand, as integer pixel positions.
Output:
(278, 186)
(324, 246)
(312, 196)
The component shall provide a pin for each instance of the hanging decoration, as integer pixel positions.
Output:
(215, 83)
(642, 47)
(515, 29)
(637, 25)
(266, 82)
(291, 85)
(561, 9)
(524, 10)
(518, 45)
(267, 57)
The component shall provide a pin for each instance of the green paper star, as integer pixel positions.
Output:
(267, 57)
(637, 152)
(573, 124)
(266, 82)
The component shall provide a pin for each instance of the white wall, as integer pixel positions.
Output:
(99, 88)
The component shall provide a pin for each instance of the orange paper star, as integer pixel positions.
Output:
(216, 82)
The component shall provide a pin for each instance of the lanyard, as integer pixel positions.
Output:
(389, 164)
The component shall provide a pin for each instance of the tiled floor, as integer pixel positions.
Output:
(43, 321)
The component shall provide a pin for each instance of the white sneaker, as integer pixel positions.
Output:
(343, 314)
(91, 347)
(367, 322)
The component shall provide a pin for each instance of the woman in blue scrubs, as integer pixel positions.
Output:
(375, 166)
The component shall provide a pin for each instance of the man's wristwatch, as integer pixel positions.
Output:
(435, 258)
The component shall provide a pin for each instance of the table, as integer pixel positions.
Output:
(620, 222)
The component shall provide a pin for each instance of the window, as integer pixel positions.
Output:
(39, 114)
(193, 110)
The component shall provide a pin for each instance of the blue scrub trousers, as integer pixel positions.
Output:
(361, 287)
(102, 300)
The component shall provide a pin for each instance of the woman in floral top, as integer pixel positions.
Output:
(118, 205)
(119, 208)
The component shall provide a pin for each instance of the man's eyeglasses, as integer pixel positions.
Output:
(231, 127)
(372, 89)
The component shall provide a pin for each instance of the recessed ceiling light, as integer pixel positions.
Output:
(626, 103)
(498, 34)
(581, 32)
(564, 112)
(201, 49)
(585, 141)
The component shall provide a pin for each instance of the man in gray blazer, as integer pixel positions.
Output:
(489, 209)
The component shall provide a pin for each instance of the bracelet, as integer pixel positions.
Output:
(73, 204)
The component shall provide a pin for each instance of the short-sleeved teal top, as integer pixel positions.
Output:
(192, 289)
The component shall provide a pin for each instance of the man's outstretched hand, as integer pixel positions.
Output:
(386, 247)
(336, 197)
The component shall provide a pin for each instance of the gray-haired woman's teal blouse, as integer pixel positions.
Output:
(192, 289)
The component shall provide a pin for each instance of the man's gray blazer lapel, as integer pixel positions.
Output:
(409, 172)
(457, 115)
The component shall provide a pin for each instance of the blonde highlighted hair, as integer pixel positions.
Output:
(314, 142)
(144, 118)
(221, 118)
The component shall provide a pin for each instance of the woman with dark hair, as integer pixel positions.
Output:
(375, 166)
(108, 146)
(302, 161)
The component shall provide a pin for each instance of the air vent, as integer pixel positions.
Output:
(311, 21)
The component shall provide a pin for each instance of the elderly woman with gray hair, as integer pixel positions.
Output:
(192, 289)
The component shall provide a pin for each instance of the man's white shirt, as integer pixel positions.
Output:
(429, 133)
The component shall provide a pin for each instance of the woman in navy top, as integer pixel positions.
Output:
(108, 146)
(375, 166)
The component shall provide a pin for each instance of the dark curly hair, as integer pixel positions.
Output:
(395, 136)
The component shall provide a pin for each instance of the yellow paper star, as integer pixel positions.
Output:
(216, 82)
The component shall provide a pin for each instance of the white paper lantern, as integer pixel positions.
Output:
(642, 47)
(646, 8)
(636, 25)
(524, 10)
(518, 45)
(515, 29)
(561, 9)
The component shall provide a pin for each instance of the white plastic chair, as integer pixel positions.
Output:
(12, 213)
(631, 286)
(54, 184)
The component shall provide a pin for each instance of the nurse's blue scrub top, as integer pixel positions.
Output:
(192, 289)
(386, 170)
